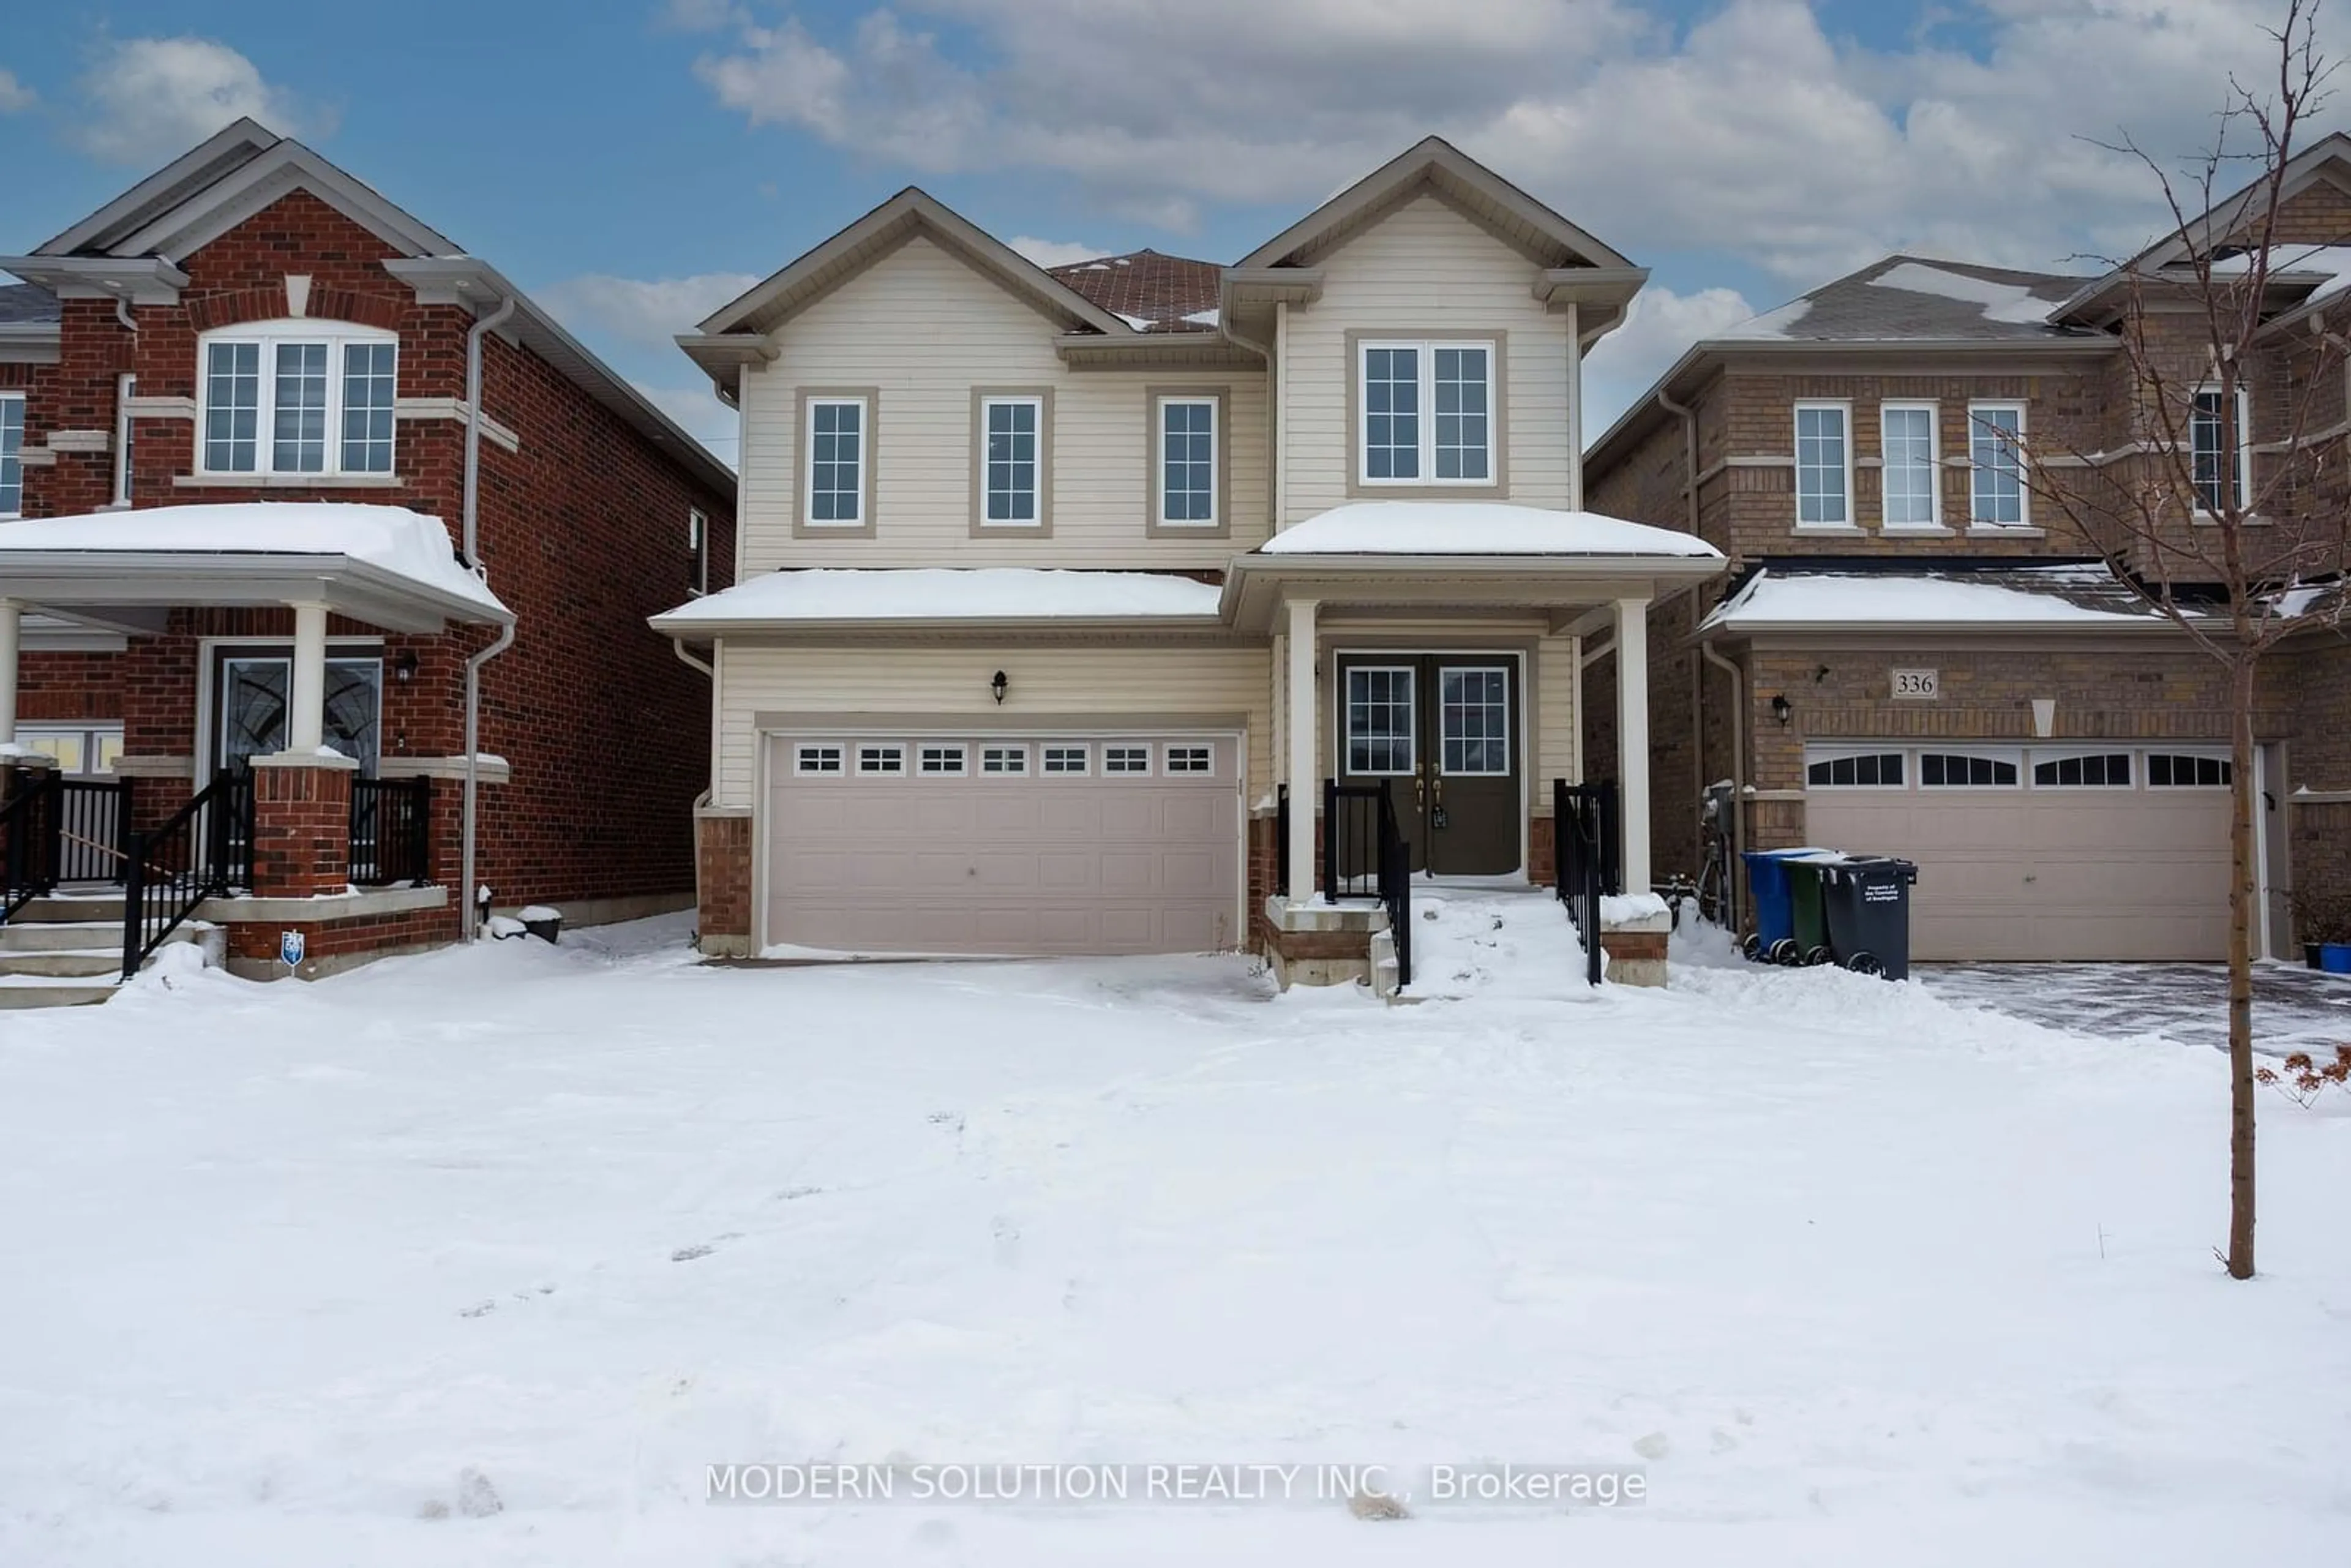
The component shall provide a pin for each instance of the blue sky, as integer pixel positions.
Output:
(632, 162)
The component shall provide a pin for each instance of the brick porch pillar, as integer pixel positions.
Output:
(301, 824)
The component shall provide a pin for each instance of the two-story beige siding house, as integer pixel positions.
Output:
(1053, 584)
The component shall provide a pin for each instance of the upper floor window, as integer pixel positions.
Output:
(1429, 413)
(2220, 473)
(1911, 472)
(1187, 462)
(12, 449)
(698, 551)
(1823, 465)
(837, 462)
(126, 387)
(1014, 456)
(1997, 497)
(297, 397)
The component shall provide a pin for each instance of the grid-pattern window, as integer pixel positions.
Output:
(368, 388)
(880, 759)
(1012, 429)
(1191, 759)
(1065, 759)
(2108, 770)
(1127, 760)
(1824, 466)
(2165, 771)
(232, 407)
(12, 450)
(940, 759)
(816, 759)
(1381, 732)
(1955, 770)
(1463, 442)
(1476, 720)
(1870, 770)
(1003, 759)
(1391, 413)
(1996, 465)
(2219, 465)
(298, 443)
(836, 462)
(1187, 462)
(1907, 450)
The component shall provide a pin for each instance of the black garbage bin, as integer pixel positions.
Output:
(1867, 900)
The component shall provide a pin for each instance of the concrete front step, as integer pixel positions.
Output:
(52, 935)
(54, 908)
(66, 951)
(39, 991)
(60, 963)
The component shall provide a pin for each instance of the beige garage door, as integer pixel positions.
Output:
(2045, 853)
(1037, 845)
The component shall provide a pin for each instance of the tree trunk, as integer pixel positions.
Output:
(2242, 798)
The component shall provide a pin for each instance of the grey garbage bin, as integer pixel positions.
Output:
(1866, 899)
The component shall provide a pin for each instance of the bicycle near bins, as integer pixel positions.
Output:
(1710, 891)
(1823, 907)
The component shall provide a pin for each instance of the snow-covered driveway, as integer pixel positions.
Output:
(483, 1257)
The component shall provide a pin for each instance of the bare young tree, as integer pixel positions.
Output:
(2237, 554)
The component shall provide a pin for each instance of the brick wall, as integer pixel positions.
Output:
(725, 849)
(301, 831)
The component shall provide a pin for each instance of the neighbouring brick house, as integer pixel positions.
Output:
(1914, 653)
(256, 351)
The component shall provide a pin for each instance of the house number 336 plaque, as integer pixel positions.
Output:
(1918, 686)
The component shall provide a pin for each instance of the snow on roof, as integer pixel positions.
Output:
(1771, 324)
(1474, 527)
(2330, 262)
(392, 540)
(1999, 301)
(944, 593)
(2044, 595)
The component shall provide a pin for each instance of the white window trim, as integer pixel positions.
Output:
(2036, 757)
(1425, 365)
(125, 386)
(2197, 753)
(962, 769)
(799, 759)
(1085, 749)
(2244, 473)
(988, 404)
(2013, 756)
(1934, 413)
(1145, 772)
(808, 462)
(1187, 747)
(268, 335)
(1843, 406)
(2023, 487)
(905, 758)
(1347, 720)
(1022, 751)
(23, 411)
(697, 545)
(1814, 754)
(1216, 457)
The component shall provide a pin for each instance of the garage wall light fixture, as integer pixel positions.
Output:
(999, 686)
(1782, 709)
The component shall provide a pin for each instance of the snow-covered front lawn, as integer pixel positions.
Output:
(485, 1257)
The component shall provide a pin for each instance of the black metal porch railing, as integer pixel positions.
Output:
(205, 849)
(93, 828)
(391, 831)
(1366, 855)
(1585, 854)
(1281, 840)
(28, 842)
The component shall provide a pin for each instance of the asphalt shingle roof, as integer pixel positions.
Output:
(1153, 293)
(25, 302)
(1907, 299)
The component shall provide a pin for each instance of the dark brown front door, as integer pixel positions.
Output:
(1441, 731)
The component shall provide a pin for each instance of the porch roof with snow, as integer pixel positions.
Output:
(908, 598)
(125, 570)
(2068, 598)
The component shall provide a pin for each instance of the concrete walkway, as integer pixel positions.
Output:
(2293, 1009)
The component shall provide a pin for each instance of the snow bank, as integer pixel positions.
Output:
(1616, 906)
(1474, 527)
(391, 539)
(944, 593)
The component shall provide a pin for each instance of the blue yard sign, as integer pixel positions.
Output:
(290, 945)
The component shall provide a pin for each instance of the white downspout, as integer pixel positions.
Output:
(1574, 408)
(709, 789)
(506, 636)
(1281, 418)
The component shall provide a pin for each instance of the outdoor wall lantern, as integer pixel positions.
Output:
(999, 686)
(1782, 709)
(403, 669)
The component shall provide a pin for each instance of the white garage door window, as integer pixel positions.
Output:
(1042, 845)
(2026, 852)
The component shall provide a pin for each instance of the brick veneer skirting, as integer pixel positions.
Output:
(723, 851)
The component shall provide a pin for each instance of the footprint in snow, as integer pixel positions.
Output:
(1008, 1242)
(704, 1249)
(794, 1194)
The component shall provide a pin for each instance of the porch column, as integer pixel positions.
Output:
(12, 622)
(306, 696)
(1633, 737)
(1305, 793)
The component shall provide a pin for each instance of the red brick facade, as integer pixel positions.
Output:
(583, 533)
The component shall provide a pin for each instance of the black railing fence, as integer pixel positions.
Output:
(1366, 855)
(93, 828)
(29, 839)
(391, 831)
(1281, 840)
(205, 850)
(1584, 850)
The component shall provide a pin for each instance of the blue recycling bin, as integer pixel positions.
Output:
(1773, 899)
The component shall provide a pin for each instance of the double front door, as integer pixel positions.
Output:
(253, 690)
(1440, 732)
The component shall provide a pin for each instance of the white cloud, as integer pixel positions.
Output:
(702, 16)
(644, 311)
(1749, 129)
(1054, 252)
(1659, 326)
(702, 415)
(14, 95)
(150, 99)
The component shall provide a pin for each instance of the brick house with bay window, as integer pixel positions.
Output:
(252, 344)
